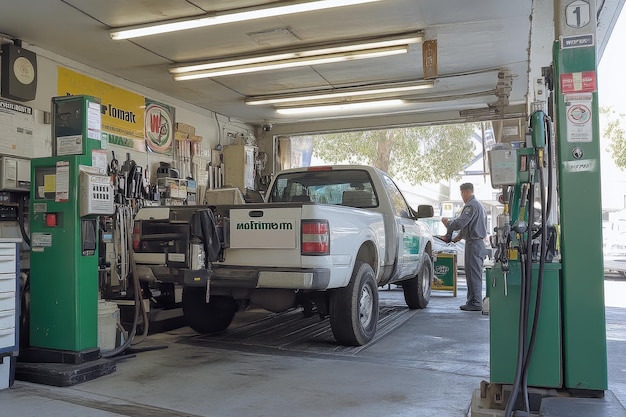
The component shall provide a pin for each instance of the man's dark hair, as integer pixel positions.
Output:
(467, 186)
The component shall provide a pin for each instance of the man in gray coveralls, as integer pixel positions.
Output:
(472, 224)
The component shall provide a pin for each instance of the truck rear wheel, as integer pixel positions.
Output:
(211, 317)
(354, 309)
(417, 289)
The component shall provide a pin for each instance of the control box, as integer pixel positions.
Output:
(96, 194)
(503, 167)
(14, 174)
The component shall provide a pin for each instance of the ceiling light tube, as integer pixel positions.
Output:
(368, 105)
(390, 41)
(218, 19)
(291, 63)
(341, 93)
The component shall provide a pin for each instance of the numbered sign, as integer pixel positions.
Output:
(577, 14)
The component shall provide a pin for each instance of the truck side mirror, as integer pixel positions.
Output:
(425, 210)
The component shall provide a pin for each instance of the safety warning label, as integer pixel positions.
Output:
(579, 117)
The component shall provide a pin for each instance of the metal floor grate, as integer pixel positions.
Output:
(291, 331)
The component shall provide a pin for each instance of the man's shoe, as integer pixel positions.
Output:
(467, 307)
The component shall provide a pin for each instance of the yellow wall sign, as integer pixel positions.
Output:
(122, 110)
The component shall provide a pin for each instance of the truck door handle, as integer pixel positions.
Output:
(402, 228)
(255, 213)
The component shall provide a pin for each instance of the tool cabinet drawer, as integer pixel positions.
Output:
(7, 282)
(7, 262)
(7, 338)
(7, 300)
(7, 248)
(7, 319)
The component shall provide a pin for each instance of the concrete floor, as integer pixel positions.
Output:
(429, 365)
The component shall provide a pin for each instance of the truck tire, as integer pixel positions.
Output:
(417, 289)
(211, 317)
(354, 309)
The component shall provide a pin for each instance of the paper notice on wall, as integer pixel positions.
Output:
(579, 117)
(17, 124)
(69, 145)
(94, 121)
(99, 160)
(62, 182)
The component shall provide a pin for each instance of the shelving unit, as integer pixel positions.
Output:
(176, 191)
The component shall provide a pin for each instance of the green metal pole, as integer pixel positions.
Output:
(576, 116)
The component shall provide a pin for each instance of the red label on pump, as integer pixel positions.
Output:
(578, 82)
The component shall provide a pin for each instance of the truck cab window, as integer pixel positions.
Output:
(400, 207)
(341, 187)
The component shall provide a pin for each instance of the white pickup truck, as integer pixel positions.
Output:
(325, 239)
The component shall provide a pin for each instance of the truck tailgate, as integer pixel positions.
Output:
(264, 236)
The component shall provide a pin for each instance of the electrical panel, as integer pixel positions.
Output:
(14, 174)
(503, 167)
(96, 194)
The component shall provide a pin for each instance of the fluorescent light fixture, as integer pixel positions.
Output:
(219, 19)
(342, 93)
(320, 54)
(368, 105)
(293, 63)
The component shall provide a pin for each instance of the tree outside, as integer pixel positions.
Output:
(615, 132)
(417, 155)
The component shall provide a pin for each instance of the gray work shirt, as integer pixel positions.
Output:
(472, 221)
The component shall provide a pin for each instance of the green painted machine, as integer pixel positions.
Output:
(547, 322)
(68, 192)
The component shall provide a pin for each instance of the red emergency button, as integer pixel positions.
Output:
(51, 219)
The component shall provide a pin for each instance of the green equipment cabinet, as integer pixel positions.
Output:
(545, 368)
(67, 194)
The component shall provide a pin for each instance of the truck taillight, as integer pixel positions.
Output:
(136, 235)
(315, 237)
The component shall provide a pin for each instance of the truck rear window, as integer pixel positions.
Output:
(340, 187)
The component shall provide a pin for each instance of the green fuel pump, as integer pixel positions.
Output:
(525, 288)
(68, 192)
(547, 313)
(533, 289)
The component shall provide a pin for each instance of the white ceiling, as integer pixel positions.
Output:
(475, 40)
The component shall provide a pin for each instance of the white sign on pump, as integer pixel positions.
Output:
(579, 117)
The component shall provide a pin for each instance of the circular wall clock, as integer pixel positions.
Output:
(24, 70)
(18, 75)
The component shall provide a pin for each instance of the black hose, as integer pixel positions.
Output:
(525, 273)
(546, 202)
(21, 220)
(25, 291)
(550, 155)
(540, 276)
(527, 292)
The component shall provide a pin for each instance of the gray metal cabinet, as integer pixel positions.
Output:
(9, 296)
